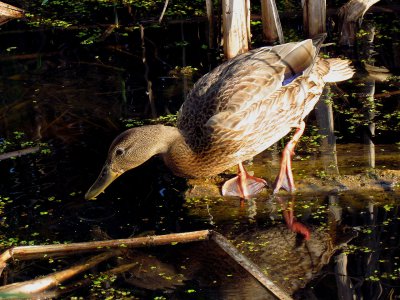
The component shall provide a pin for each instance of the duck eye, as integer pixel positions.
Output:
(119, 151)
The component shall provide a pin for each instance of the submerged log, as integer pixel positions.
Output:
(272, 28)
(351, 15)
(314, 17)
(236, 27)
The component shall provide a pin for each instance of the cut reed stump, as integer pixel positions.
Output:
(314, 17)
(351, 15)
(211, 23)
(236, 27)
(272, 28)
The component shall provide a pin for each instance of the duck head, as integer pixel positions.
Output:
(130, 149)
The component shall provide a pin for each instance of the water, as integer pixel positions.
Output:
(74, 98)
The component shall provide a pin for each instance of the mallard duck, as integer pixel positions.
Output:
(234, 112)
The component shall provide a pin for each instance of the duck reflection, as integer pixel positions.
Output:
(290, 219)
(291, 254)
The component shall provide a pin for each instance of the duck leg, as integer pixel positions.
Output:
(285, 177)
(243, 185)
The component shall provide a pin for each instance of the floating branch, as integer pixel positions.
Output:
(30, 252)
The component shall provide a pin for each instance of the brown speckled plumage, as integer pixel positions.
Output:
(234, 112)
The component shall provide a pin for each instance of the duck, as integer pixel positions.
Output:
(231, 114)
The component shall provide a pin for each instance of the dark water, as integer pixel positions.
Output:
(75, 99)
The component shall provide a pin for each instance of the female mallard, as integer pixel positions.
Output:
(233, 113)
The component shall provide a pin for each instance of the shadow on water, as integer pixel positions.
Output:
(75, 99)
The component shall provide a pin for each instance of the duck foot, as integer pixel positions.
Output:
(284, 179)
(244, 185)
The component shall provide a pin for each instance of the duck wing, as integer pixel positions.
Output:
(230, 106)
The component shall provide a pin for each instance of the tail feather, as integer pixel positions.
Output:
(339, 70)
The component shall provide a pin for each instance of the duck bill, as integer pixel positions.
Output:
(106, 177)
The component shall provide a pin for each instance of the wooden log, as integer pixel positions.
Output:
(314, 17)
(272, 28)
(236, 27)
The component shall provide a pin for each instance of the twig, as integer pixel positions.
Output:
(18, 153)
(146, 74)
(163, 11)
(43, 283)
(107, 32)
(387, 94)
(28, 56)
(98, 65)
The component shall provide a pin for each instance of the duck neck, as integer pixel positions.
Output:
(175, 151)
(165, 138)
